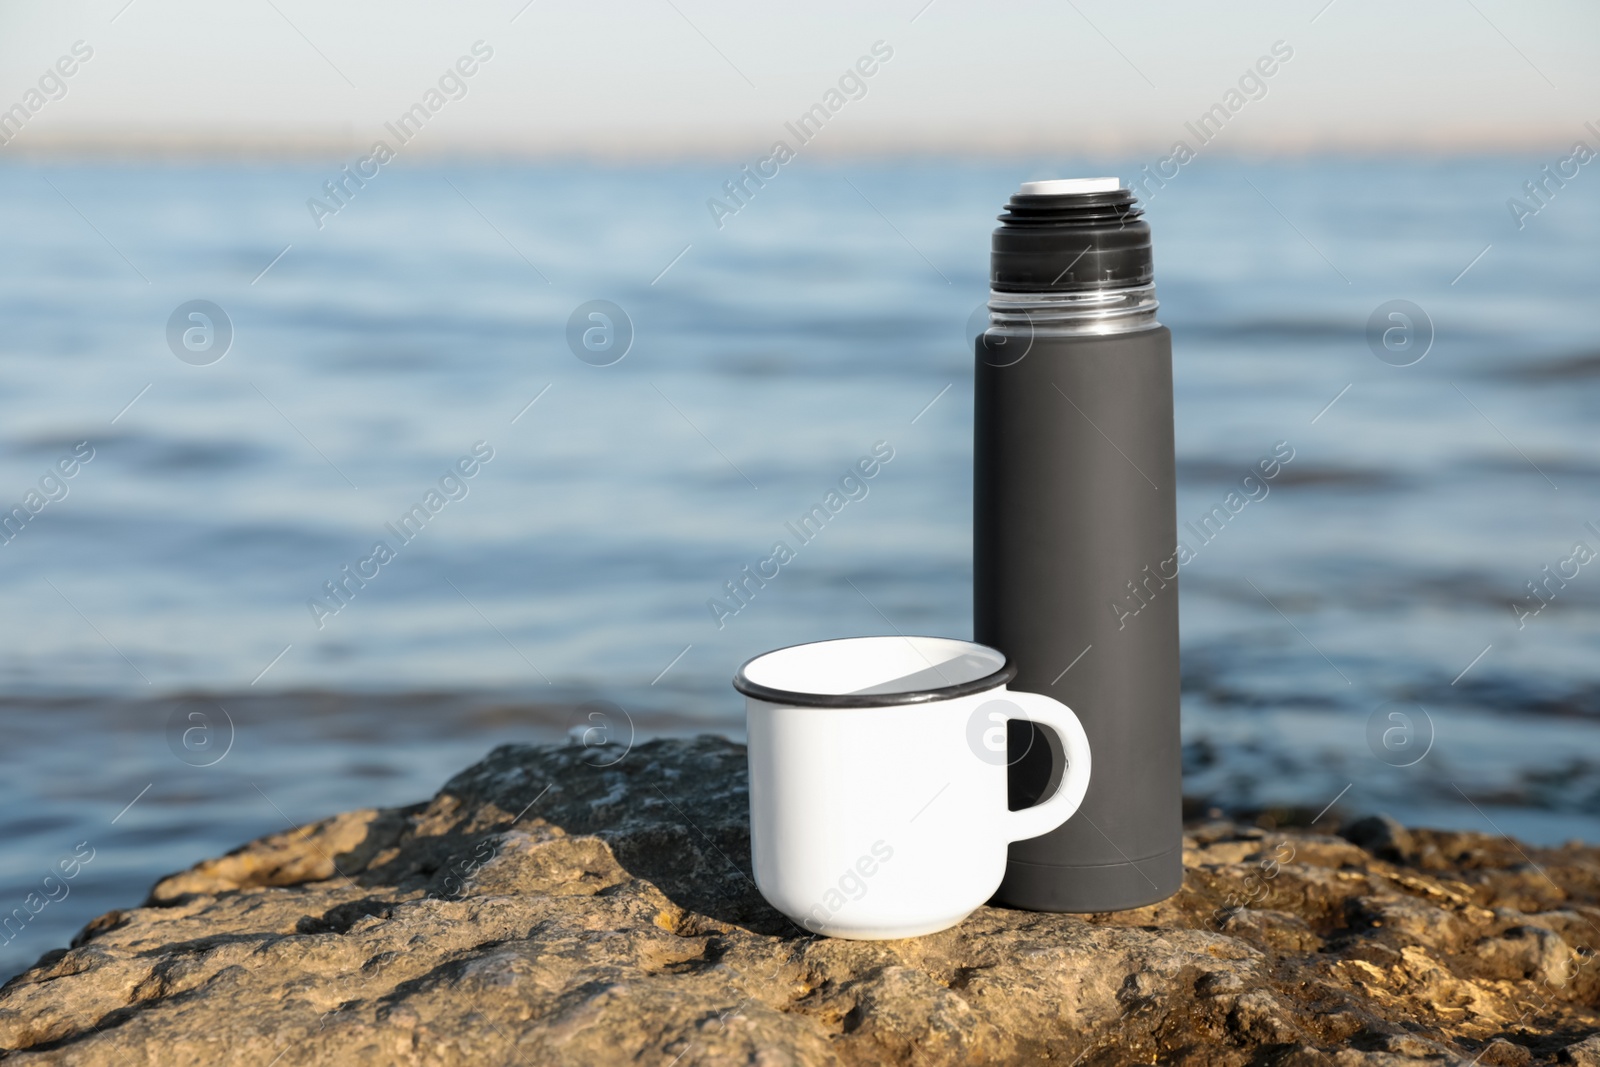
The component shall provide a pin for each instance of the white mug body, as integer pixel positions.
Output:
(889, 819)
(873, 822)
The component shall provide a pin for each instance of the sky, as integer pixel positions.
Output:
(715, 78)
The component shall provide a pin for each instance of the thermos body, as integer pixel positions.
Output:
(1075, 523)
(1074, 539)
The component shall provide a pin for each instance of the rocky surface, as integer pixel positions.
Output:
(544, 909)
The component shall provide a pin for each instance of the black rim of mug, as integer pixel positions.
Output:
(757, 691)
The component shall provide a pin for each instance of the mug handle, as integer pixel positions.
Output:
(1050, 813)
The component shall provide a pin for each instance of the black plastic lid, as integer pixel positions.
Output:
(1070, 242)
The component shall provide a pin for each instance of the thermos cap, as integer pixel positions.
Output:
(1070, 235)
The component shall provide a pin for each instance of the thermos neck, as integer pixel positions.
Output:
(1072, 256)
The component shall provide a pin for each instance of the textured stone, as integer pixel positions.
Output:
(1526, 952)
(1382, 836)
(542, 909)
(1585, 1053)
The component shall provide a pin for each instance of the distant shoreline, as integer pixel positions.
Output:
(207, 146)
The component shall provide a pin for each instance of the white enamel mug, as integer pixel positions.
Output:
(878, 780)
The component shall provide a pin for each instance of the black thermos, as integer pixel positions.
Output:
(1074, 528)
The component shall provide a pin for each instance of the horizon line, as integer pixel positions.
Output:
(290, 145)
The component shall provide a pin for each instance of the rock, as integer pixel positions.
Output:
(1406, 919)
(1381, 836)
(545, 910)
(1585, 1053)
(1303, 1056)
(1526, 952)
(1412, 1047)
(1503, 1053)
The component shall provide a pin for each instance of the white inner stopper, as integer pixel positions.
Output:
(1069, 186)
